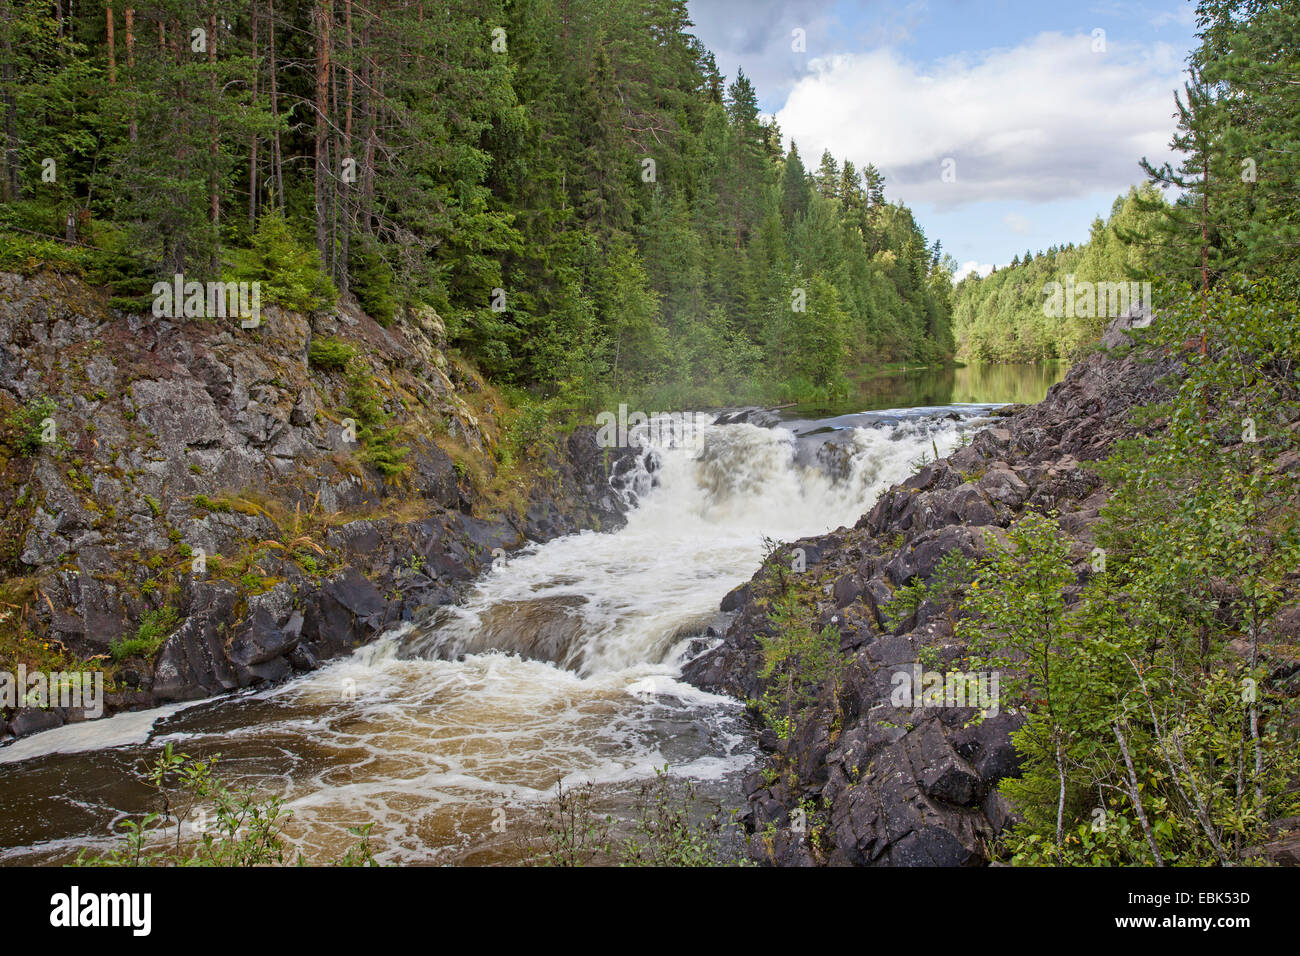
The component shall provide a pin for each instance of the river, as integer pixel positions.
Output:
(559, 665)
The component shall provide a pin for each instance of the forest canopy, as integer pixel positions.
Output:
(590, 206)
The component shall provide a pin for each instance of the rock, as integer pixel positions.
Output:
(32, 720)
(918, 786)
(751, 415)
(193, 662)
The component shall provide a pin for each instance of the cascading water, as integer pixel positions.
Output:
(559, 664)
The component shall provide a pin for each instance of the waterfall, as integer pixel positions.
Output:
(560, 664)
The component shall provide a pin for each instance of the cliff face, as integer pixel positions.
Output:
(173, 441)
(899, 786)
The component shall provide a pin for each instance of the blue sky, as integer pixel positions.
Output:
(1005, 125)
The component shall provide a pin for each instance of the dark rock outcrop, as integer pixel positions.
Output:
(912, 785)
(202, 469)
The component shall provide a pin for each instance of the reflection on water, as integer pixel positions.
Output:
(949, 385)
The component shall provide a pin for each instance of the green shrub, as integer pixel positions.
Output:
(27, 425)
(798, 664)
(289, 271)
(330, 354)
(149, 636)
(365, 406)
(245, 831)
(372, 282)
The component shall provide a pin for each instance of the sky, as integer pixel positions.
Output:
(1006, 125)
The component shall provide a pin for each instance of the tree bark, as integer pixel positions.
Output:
(323, 15)
(129, 14)
(12, 186)
(252, 146)
(112, 53)
(214, 145)
(277, 164)
(1135, 795)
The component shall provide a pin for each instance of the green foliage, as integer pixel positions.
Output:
(571, 832)
(235, 828)
(372, 282)
(29, 254)
(672, 828)
(799, 665)
(531, 429)
(945, 588)
(289, 271)
(1154, 732)
(26, 425)
(378, 440)
(155, 626)
(1001, 317)
(672, 825)
(508, 192)
(330, 354)
(208, 504)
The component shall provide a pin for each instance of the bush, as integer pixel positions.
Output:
(29, 254)
(289, 271)
(672, 825)
(798, 663)
(372, 282)
(149, 636)
(28, 425)
(245, 832)
(330, 354)
(365, 405)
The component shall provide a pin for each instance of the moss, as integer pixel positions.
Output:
(208, 504)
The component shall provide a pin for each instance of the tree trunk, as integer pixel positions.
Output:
(112, 53)
(12, 189)
(252, 145)
(1135, 794)
(277, 164)
(372, 87)
(1060, 794)
(129, 14)
(349, 220)
(214, 147)
(323, 15)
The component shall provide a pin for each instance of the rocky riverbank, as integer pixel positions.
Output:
(196, 516)
(862, 782)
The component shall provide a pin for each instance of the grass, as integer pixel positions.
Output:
(154, 628)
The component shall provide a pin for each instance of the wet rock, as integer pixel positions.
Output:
(192, 662)
(751, 415)
(918, 786)
(344, 612)
(32, 720)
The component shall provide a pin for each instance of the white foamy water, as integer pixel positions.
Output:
(561, 664)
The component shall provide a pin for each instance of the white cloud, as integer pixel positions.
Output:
(1017, 223)
(755, 35)
(981, 269)
(1045, 120)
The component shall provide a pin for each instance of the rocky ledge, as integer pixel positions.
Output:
(172, 440)
(917, 786)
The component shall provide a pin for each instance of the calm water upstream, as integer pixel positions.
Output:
(435, 732)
